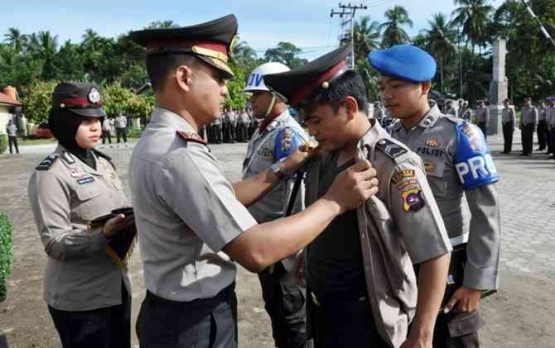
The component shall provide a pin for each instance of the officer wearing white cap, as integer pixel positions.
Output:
(359, 274)
(87, 292)
(457, 161)
(277, 137)
(193, 224)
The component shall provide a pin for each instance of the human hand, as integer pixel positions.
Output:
(294, 161)
(116, 224)
(353, 186)
(465, 299)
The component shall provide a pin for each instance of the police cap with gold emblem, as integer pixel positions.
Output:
(82, 99)
(301, 84)
(211, 42)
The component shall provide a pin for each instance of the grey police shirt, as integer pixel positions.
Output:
(185, 210)
(508, 115)
(261, 154)
(482, 115)
(66, 194)
(436, 141)
(529, 115)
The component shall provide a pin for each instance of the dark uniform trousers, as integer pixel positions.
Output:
(542, 135)
(13, 142)
(484, 127)
(242, 131)
(342, 323)
(217, 133)
(108, 327)
(202, 323)
(285, 303)
(457, 330)
(121, 133)
(508, 129)
(106, 135)
(527, 138)
(552, 142)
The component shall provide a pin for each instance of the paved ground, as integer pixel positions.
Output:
(518, 316)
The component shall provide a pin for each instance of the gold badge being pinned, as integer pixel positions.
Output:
(432, 142)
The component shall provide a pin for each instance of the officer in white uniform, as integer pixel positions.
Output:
(457, 161)
(278, 136)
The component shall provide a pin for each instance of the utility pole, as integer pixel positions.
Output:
(349, 12)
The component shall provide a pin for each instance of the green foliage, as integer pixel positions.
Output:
(285, 53)
(235, 97)
(37, 100)
(118, 99)
(3, 143)
(6, 255)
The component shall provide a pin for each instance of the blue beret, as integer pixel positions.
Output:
(405, 62)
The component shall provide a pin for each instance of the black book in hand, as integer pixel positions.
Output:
(121, 245)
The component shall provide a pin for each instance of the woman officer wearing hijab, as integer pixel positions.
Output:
(87, 293)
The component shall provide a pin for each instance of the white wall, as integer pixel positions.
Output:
(5, 116)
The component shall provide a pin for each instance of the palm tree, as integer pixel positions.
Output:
(162, 25)
(473, 16)
(15, 39)
(439, 42)
(47, 49)
(394, 34)
(366, 34)
(91, 39)
(243, 54)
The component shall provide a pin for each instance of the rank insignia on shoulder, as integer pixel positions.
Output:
(47, 162)
(190, 136)
(390, 148)
(412, 199)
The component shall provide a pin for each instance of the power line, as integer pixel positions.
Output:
(349, 12)
(542, 28)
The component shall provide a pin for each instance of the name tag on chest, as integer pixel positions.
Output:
(86, 180)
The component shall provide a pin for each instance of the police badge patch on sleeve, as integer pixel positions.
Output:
(412, 199)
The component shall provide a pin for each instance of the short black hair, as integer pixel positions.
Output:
(159, 66)
(348, 84)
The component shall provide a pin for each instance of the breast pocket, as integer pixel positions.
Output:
(435, 168)
(88, 203)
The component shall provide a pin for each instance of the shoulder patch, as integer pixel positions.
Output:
(47, 162)
(390, 148)
(190, 136)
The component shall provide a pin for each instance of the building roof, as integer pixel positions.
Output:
(6, 100)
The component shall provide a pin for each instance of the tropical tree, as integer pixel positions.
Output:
(473, 16)
(15, 39)
(47, 49)
(285, 53)
(168, 24)
(244, 55)
(440, 43)
(393, 33)
(37, 100)
(366, 36)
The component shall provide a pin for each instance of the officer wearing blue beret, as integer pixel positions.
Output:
(457, 161)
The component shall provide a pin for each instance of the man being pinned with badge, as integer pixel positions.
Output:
(192, 223)
(277, 137)
(359, 274)
(458, 162)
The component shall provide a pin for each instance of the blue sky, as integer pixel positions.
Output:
(306, 23)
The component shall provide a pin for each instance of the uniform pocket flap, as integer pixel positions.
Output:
(84, 194)
(464, 324)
